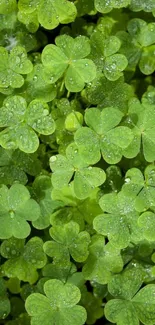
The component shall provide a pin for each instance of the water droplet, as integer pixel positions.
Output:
(127, 180)
(13, 252)
(53, 159)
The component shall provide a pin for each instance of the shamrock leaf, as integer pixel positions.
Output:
(147, 6)
(36, 86)
(67, 58)
(86, 178)
(105, 6)
(103, 260)
(23, 259)
(7, 7)
(120, 220)
(16, 207)
(12, 66)
(73, 207)
(41, 192)
(110, 97)
(50, 13)
(22, 122)
(103, 53)
(103, 136)
(14, 165)
(4, 301)
(58, 306)
(141, 120)
(128, 307)
(68, 241)
(141, 187)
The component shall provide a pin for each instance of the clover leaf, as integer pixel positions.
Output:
(16, 207)
(73, 207)
(106, 6)
(50, 13)
(23, 259)
(103, 260)
(67, 58)
(12, 66)
(103, 136)
(86, 178)
(41, 192)
(15, 165)
(128, 306)
(36, 86)
(68, 241)
(59, 306)
(21, 122)
(120, 220)
(103, 52)
(142, 187)
(110, 97)
(141, 120)
(147, 6)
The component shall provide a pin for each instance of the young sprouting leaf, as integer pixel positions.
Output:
(4, 301)
(67, 58)
(15, 165)
(128, 305)
(103, 136)
(12, 66)
(141, 120)
(21, 122)
(86, 178)
(142, 188)
(103, 260)
(41, 192)
(23, 259)
(68, 241)
(120, 220)
(16, 207)
(59, 306)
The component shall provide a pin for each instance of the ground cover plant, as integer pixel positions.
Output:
(77, 153)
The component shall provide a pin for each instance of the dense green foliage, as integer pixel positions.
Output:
(77, 162)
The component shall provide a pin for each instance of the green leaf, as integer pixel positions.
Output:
(16, 207)
(114, 65)
(69, 241)
(4, 301)
(102, 261)
(59, 305)
(68, 56)
(104, 137)
(42, 188)
(120, 222)
(22, 122)
(23, 259)
(53, 12)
